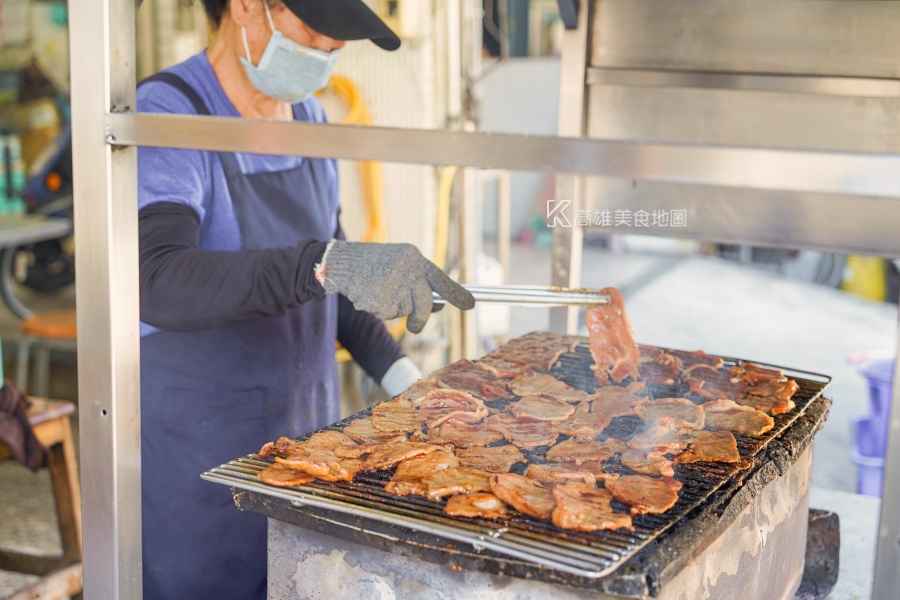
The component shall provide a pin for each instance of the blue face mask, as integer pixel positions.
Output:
(288, 71)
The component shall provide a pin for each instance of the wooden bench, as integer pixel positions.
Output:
(61, 576)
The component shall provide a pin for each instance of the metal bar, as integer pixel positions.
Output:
(106, 255)
(533, 295)
(864, 174)
(886, 580)
(864, 87)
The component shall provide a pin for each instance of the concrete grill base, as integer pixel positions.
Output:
(758, 555)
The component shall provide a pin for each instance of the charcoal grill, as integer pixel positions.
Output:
(520, 545)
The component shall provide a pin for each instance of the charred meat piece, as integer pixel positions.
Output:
(389, 456)
(615, 401)
(410, 472)
(505, 368)
(540, 351)
(582, 507)
(663, 369)
(416, 392)
(709, 382)
(463, 435)
(645, 495)
(458, 480)
(478, 505)
(463, 375)
(697, 357)
(442, 405)
(648, 461)
(284, 476)
(554, 473)
(363, 431)
(584, 423)
(616, 355)
(498, 459)
(578, 452)
(539, 408)
(397, 415)
(667, 440)
(710, 446)
(768, 404)
(540, 384)
(523, 433)
(730, 416)
(525, 495)
(676, 413)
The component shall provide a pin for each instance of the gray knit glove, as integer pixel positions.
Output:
(388, 280)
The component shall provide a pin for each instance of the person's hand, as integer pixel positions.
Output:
(388, 280)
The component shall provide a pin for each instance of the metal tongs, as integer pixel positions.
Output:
(533, 295)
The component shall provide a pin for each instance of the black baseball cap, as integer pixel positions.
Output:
(344, 20)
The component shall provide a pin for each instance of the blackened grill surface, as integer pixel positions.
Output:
(586, 554)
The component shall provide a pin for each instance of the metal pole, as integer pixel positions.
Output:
(106, 253)
(567, 236)
(886, 582)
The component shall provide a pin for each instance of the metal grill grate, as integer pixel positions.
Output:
(585, 554)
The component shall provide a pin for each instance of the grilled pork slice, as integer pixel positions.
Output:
(616, 355)
(768, 404)
(498, 459)
(664, 439)
(649, 352)
(457, 480)
(783, 390)
(416, 392)
(473, 506)
(323, 464)
(353, 450)
(554, 473)
(284, 476)
(286, 447)
(578, 452)
(441, 405)
(540, 384)
(525, 495)
(540, 351)
(710, 446)
(713, 384)
(539, 408)
(363, 431)
(751, 374)
(730, 416)
(463, 435)
(410, 472)
(645, 495)
(523, 433)
(389, 456)
(505, 368)
(662, 368)
(584, 423)
(397, 415)
(648, 461)
(464, 375)
(582, 507)
(615, 401)
(677, 413)
(697, 357)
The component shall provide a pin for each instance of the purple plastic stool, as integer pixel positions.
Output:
(868, 460)
(879, 372)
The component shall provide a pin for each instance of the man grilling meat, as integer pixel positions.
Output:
(246, 284)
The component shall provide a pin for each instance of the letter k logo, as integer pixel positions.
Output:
(556, 213)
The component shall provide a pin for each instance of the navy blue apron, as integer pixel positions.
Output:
(210, 396)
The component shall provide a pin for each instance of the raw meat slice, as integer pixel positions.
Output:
(697, 357)
(410, 472)
(458, 480)
(463, 375)
(498, 459)
(541, 384)
(473, 506)
(442, 405)
(612, 344)
(284, 476)
(582, 507)
(553, 473)
(730, 416)
(525, 495)
(362, 430)
(645, 495)
(523, 433)
(584, 451)
(615, 401)
(648, 461)
(506, 368)
(323, 464)
(416, 392)
(389, 456)
(768, 404)
(664, 439)
(710, 446)
(353, 450)
(584, 423)
(540, 351)
(709, 382)
(539, 408)
(676, 413)
(463, 435)
(397, 415)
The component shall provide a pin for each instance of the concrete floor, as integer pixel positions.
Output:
(683, 302)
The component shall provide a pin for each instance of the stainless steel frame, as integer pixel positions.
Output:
(106, 130)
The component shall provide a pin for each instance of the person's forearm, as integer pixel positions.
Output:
(367, 339)
(184, 288)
